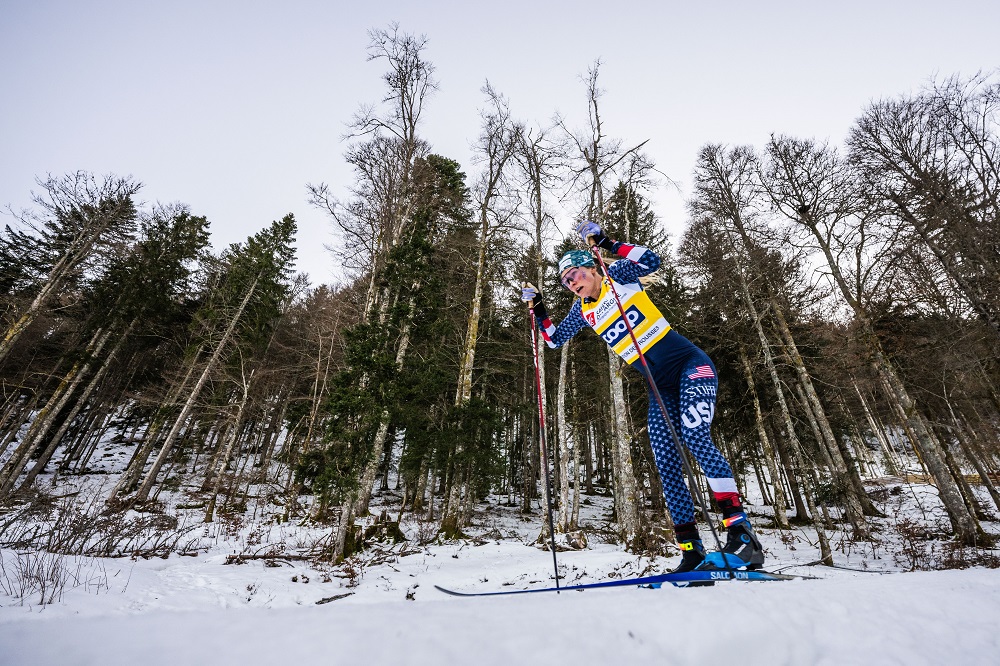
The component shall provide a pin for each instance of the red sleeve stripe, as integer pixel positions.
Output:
(624, 249)
(732, 497)
(548, 328)
(631, 252)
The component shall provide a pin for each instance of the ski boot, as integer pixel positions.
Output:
(692, 555)
(742, 549)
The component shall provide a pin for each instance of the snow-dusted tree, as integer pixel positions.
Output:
(78, 220)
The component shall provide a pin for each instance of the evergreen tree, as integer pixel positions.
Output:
(79, 222)
(240, 314)
(384, 388)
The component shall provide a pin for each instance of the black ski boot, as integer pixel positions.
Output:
(742, 542)
(692, 553)
(742, 549)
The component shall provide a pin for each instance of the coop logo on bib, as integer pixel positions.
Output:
(614, 333)
(646, 322)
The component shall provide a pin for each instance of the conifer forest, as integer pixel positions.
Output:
(848, 294)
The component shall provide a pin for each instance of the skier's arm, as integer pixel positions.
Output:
(561, 333)
(555, 336)
(641, 260)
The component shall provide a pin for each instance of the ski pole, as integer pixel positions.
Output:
(542, 443)
(695, 491)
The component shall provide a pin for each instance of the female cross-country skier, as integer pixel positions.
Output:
(683, 373)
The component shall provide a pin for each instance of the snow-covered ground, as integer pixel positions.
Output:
(385, 610)
(185, 613)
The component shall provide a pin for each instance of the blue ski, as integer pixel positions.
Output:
(646, 581)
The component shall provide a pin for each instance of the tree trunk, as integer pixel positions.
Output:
(838, 471)
(89, 446)
(46, 417)
(789, 429)
(234, 433)
(625, 490)
(81, 401)
(54, 279)
(574, 521)
(856, 500)
(826, 554)
(564, 437)
(788, 473)
(890, 462)
(168, 443)
(133, 472)
(966, 526)
(780, 502)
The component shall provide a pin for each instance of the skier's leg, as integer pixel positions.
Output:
(668, 463)
(698, 389)
(675, 491)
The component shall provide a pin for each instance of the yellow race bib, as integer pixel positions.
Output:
(604, 317)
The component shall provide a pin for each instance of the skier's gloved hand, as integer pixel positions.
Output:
(586, 229)
(528, 292)
(592, 234)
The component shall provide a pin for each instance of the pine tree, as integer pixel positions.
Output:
(138, 293)
(241, 312)
(78, 220)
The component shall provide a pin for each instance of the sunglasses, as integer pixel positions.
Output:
(572, 276)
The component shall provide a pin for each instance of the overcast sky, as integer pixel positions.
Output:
(232, 107)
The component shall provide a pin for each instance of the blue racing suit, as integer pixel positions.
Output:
(683, 373)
